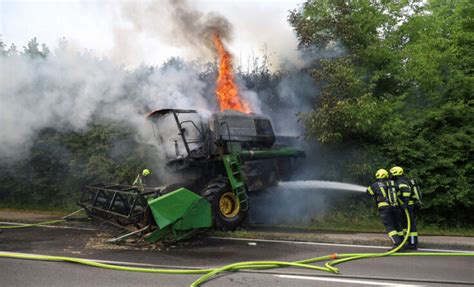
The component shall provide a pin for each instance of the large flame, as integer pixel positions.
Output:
(226, 90)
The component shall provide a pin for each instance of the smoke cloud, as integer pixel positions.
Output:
(67, 89)
(196, 28)
(298, 203)
(288, 206)
(176, 23)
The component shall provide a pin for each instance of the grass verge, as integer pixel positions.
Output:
(355, 219)
(39, 208)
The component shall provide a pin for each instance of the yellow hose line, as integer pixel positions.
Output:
(21, 225)
(213, 271)
(252, 265)
(330, 265)
(103, 265)
(32, 224)
(208, 273)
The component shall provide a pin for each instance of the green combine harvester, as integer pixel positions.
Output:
(213, 163)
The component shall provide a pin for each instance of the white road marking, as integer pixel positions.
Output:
(330, 244)
(297, 242)
(48, 226)
(347, 281)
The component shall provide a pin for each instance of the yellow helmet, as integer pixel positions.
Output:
(146, 172)
(381, 173)
(396, 170)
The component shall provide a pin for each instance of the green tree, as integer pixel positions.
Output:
(401, 92)
(33, 50)
(62, 162)
(12, 50)
(3, 51)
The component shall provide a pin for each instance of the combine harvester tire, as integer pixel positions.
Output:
(227, 212)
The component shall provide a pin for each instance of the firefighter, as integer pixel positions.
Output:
(399, 212)
(140, 178)
(409, 197)
(386, 199)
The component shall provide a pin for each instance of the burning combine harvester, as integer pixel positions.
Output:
(223, 158)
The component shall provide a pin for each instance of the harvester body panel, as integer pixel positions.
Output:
(181, 208)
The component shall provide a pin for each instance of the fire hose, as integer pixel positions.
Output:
(63, 219)
(332, 260)
(32, 224)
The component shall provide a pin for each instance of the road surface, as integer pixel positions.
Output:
(212, 252)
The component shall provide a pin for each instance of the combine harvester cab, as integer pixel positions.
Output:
(221, 159)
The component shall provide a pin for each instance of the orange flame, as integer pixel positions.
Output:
(226, 90)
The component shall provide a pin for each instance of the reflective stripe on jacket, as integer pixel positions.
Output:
(403, 189)
(138, 181)
(416, 192)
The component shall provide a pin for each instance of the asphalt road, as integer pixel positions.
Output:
(211, 252)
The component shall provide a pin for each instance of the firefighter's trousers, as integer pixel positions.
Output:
(413, 239)
(390, 217)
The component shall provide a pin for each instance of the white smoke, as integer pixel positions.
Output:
(298, 203)
(178, 23)
(174, 23)
(67, 89)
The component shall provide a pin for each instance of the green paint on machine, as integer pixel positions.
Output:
(180, 213)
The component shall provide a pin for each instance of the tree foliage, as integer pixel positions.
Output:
(61, 162)
(402, 91)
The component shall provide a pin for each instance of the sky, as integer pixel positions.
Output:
(93, 24)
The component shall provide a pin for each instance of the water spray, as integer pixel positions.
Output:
(322, 184)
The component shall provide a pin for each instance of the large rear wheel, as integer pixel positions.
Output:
(227, 213)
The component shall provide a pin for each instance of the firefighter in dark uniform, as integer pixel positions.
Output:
(400, 212)
(410, 197)
(387, 204)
